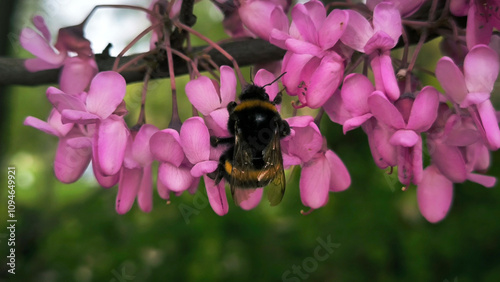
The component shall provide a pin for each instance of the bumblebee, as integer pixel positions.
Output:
(253, 158)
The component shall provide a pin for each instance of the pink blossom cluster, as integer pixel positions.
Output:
(458, 128)
(460, 125)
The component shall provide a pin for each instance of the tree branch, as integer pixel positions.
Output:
(246, 52)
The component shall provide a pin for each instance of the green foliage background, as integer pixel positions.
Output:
(72, 232)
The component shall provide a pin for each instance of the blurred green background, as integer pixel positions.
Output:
(72, 232)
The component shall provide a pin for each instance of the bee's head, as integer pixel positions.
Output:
(254, 92)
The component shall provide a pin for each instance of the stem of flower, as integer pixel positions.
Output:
(142, 115)
(217, 47)
(175, 121)
(134, 60)
(317, 119)
(132, 43)
(130, 7)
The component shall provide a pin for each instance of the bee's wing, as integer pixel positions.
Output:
(242, 165)
(274, 166)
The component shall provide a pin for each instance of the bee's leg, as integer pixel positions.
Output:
(277, 100)
(217, 174)
(284, 128)
(231, 106)
(214, 141)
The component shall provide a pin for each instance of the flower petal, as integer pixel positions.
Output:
(217, 122)
(110, 141)
(479, 27)
(251, 198)
(176, 179)
(485, 180)
(424, 110)
(304, 24)
(216, 196)
(80, 117)
(130, 181)
(195, 140)
(490, 124)
(264, 77)
(448, 159)
(384, 154)
(202, 94)
(145, 193)
(76, 75)
(39, 23)
(335, 109)
(256, 16)
(325, 80)
(386, 18)
(293, 65)
(302, 47)
(384, 111)
(107, 90)
(357, 32)
(355, 92)
(333, 28)
(379, 41)
(165, 147)
(103, 180)
(434, 195)
(355, 122)
(41, 125)
(227, 85)
(315, 182)
(204, 167)
(70, 163)
(62, 101)
(481, 68)
(385, 78)
(451, 79)
(141, 151)
(405, 138)
(38, 46)
(340, 179)
(37, 64)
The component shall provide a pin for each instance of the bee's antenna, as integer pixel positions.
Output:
(274, 80)
(251, 70)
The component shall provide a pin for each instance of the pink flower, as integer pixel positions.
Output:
(383, 152)
(472, 88)
(70, 39)
(376, 40)
(135, 176)
(355, 91)
(408, 118)
(195, 141)
(322, 169)
(253, 17)
(313, 69)
(185, 157)
(261, 17)
(482, 17)
(434, 194)
(211, 99)
(174, 172)
(70, 161)
(97, 107)
(160, 8)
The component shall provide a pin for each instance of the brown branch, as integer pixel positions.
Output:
(246, 52)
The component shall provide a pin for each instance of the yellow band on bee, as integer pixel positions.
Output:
(254, 104)
(257, 175)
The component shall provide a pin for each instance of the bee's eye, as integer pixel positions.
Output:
(266, 96)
